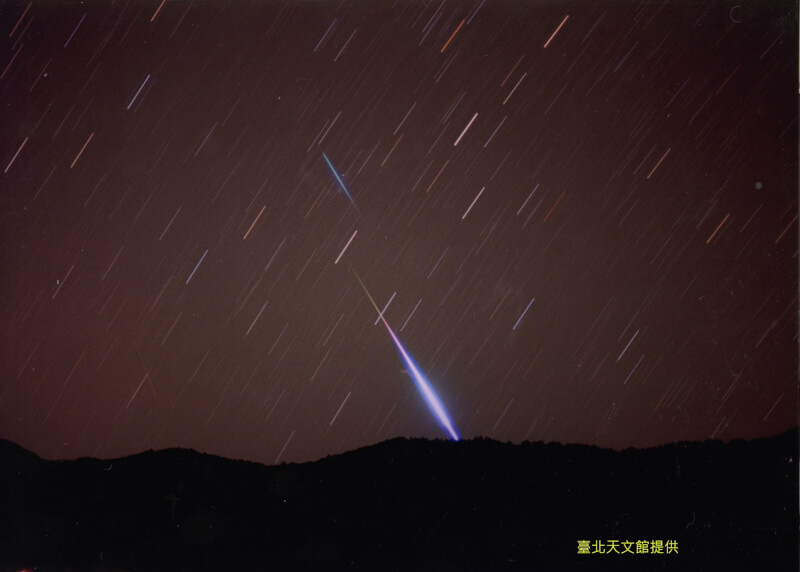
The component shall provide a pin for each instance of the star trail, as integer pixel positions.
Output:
(584, 216)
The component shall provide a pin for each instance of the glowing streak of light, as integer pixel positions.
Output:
(550, 39)
(14, 158)
(283, 449)
(339, 179)
(423, 385)
(197, 266)
(82, 150)
(786, 229)
(254, 222)
(528, 307)
(465, 130)
(664, 156)
(345, 247)
(447, 43)
(28, 8)
(75, 30)
(472, 204)
(519, 81)
(158, 10)
(386, 307)
(138, 91)
(340, 409)
(716, 230)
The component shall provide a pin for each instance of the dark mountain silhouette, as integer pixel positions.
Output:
(407, 505)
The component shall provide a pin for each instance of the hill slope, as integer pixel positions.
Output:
(408, 505)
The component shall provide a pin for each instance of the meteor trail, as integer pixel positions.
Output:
(339, 180)
(423, 385)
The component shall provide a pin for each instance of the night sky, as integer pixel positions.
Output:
(580, 218)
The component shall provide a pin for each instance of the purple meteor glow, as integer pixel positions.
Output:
(423, 385)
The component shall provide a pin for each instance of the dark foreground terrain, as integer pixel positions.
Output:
(409, 505)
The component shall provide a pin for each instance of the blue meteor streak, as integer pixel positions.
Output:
(339, 179)
(423, 385)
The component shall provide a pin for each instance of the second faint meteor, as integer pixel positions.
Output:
(339, 180)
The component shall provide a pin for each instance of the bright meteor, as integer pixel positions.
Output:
(339, 180)
(423, 385)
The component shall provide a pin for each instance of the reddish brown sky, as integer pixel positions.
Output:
(583, 215)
